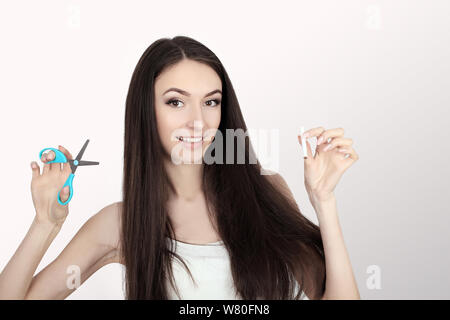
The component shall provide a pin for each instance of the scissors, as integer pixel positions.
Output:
(61, 158)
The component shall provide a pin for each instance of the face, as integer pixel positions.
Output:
(188, 107)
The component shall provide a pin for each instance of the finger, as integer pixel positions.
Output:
(46, 168)
(55, 165)
(331, 133)
(64, 194)
(35, 169)
(66, 166)
(313, 132)
(66, 152)
(338, 142)
(352, 155)
(45, 157)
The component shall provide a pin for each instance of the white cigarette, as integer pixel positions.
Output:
(305, 151)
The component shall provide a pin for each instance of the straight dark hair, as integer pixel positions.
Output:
(269, 241)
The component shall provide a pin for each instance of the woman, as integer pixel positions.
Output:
(179, 94)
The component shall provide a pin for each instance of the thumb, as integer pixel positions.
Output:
(65, 151)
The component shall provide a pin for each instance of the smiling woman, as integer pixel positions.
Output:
(180, 93)
(235, 233)
(186, 111)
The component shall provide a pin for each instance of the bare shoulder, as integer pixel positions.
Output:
(279, 182)
(107, 224)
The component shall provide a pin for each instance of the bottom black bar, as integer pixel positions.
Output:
(226, 309)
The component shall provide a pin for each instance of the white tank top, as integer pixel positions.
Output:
(210, 267)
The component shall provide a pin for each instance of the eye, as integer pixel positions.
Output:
(171, 101)
(216, 101)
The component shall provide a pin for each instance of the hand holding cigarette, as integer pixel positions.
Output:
(334, 155)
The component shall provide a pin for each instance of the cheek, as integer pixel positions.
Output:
(212, 118)
(167, 124)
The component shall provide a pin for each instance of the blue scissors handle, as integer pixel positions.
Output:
(61, 158)
(74, 164)
(68, 183)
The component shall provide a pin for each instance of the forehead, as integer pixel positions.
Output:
(192, 76)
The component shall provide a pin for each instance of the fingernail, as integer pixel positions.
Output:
(320, 140)
(327, 147)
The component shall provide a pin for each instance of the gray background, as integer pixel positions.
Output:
(378, 69)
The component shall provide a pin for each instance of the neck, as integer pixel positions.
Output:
(186, 179)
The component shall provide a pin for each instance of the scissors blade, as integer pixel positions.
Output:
(87, 163)
(74, 166)
(80, 154)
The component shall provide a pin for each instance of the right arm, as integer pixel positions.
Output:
(95, 244)
(16, 276)
(90, 249)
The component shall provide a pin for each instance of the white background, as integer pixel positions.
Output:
(378, 69)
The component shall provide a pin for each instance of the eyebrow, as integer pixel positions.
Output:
(188, 94)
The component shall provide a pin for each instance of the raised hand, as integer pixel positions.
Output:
(324, 170)
(46, 185)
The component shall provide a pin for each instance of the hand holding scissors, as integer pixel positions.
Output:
(74, 164)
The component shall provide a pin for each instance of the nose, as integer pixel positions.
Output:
(196, 122)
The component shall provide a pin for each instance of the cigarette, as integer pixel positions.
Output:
(305, 151)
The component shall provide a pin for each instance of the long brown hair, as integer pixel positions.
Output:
(269, 241)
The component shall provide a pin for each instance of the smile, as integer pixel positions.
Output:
(190, 139)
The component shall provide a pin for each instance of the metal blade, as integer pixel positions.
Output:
(80, 154)
(87, 163)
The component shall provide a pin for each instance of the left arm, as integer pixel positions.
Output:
(323, 170)
(340, 282)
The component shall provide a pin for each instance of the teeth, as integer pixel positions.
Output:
(190, 140)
